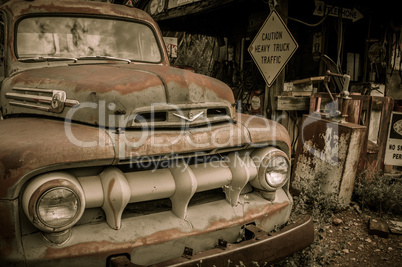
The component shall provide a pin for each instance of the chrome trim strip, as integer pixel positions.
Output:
(57, 100)
(33, 98)
(33, 90)
(71, 103)
(31, 106)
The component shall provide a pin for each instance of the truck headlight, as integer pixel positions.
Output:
(277, 171)
(273, 167)
(58, 207)
(54, 202)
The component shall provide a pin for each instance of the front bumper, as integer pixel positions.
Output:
(158, 238)
(261, 248)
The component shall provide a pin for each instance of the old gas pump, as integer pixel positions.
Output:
(329, 147)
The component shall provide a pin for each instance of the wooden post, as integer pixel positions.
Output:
(277, 87)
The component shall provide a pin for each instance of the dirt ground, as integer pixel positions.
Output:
(349, 243)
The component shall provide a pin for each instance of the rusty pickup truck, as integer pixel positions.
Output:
(111, 157)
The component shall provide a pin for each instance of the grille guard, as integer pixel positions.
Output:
(179, 183)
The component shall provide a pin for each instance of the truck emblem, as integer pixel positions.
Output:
(58, 100)
(190, 118)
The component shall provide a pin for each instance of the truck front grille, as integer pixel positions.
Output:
(181, 115)
(174, 186)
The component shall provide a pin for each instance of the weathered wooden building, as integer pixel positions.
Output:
(357, 38)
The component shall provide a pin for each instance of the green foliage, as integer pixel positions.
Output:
(380, 194)
(315, 198)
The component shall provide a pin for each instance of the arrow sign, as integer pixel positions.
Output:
(272, 47)
(322, 9)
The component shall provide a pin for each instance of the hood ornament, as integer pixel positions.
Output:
(190, 118)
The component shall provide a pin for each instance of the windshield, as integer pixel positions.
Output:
(76, 37)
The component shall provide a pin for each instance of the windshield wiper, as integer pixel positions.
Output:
(45, 59)
(105, 57)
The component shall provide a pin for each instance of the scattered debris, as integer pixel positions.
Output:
(357, 208)
(395, 227)
(337, 221)
(378, 227)
(350, 243)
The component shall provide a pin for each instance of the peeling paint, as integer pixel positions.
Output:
(328, 152)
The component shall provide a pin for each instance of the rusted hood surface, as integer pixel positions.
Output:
(262, 130)
(106, 90)
(45, 145)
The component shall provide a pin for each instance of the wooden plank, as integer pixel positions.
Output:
(301, 93)
(310, 80)
(292, 103)
(196, 7)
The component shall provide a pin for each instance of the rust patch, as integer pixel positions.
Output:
(104, 78)
(328, 153)
(186, 141)
(264, 130)
(180, 80)
(250, 216)
(220, 89)
(95, 249)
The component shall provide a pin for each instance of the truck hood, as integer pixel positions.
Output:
(118, 95)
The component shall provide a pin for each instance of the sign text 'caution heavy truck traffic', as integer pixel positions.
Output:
(272, 47)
